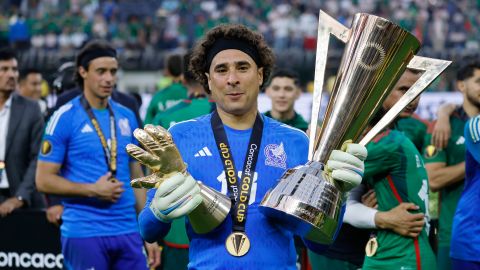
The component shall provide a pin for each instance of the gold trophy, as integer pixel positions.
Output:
(306, 200)
(164, 160)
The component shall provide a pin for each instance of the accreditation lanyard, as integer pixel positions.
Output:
(110, 152)
(239, 191)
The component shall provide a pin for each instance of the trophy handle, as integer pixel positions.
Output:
(326, 26)
(433, 68)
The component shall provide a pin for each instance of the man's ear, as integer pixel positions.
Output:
(82, 72)
(260, 76)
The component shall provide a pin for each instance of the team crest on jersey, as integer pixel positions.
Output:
(46, 147)
(124, 126)
(275, 156)
(431, 151)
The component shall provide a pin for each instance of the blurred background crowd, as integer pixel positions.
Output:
(49, 31)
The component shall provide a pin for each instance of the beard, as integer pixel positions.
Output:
(475, 101)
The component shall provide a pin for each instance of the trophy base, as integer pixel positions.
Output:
(305, 203)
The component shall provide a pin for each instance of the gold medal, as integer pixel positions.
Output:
(2, 165)
(237, 244)
(371, 247)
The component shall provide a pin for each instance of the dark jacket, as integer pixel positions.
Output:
(25, 129)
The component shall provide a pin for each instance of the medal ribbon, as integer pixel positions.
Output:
(110, 152)
(239, 192)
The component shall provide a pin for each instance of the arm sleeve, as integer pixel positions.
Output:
(380, 159)
(56, 136)
(151, 228)
(358, 214)
(27, 186)
(472, 135)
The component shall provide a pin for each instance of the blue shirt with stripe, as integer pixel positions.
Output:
(76, 146)
(466, 223)
(272, 247)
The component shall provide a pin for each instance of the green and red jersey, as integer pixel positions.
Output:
(395, 169)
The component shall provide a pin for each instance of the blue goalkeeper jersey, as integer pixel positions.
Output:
(465, 243)
(71, 140)
(281, 147)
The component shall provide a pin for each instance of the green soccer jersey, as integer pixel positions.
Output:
(185, 110)
(414, 128)
(452, 155)
(165, 99)
(297, 121)
(395, 170)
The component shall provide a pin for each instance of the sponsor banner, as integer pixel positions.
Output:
(28, 241)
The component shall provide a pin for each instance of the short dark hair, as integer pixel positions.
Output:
(91, 46)
(285, 73)
(174, 64)
(198, 62)
(467, 69)
(25, 72)
(7, 53)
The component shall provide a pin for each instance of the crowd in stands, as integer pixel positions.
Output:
(175, 24)
(50, 31)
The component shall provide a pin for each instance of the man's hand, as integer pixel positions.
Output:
(153, 251)
(108, 190)
(370, 199)
(54, 214)
(441, 134)
(401, 221)
(177, 196)
(346, 166)
(9, 205)
(442, 130)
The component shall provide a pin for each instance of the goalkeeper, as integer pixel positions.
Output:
(232, 62)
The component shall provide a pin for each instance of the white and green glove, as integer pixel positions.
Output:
(177, 196)
(346, 166)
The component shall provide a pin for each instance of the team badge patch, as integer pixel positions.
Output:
(124, 126)
(46, 147)
(430, 151)
(275, 156)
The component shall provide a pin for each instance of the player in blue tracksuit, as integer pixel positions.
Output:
(232, 62)
(83, 159)
(465, 245)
